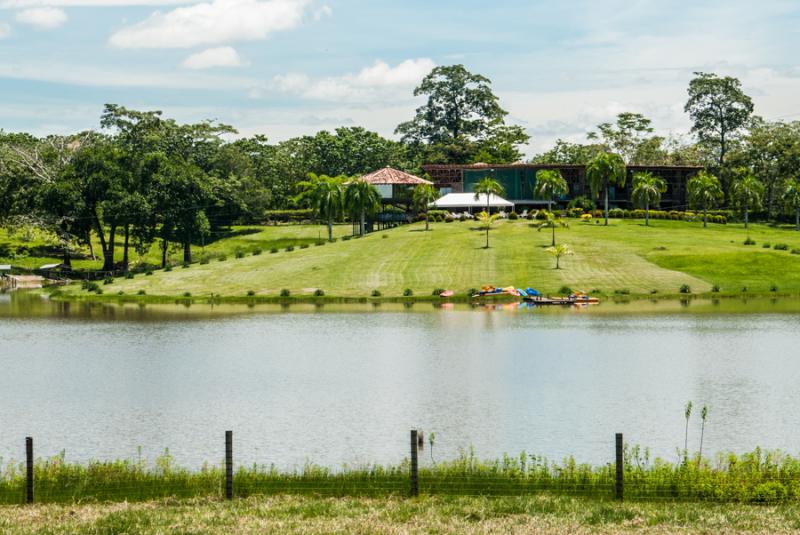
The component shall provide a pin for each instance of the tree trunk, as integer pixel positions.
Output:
(108, 260)
(187, 252)
(67, 257)
(330, 227)
(557, 259)
(164, 248)
(426, 221)
(797, 218)
(487, 220)
(363, 223)
(549, 203)
(605, 202)
(91, 246)
(554, 235)
(746, 218)
(705, 217)
(125, 247)
(647, 214)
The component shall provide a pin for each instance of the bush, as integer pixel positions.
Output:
(744, 289)
(204, 260)
(319, 292)
(285, 292)
(715, 288)
(437, 291)
(473, 291)
(120, 292)
(513, 216)
(168, 267)
(447, 219)
(290, 248)
(239, 253)
(583, 203)
(148, 272)
(616, 213)
(749, 241)
(256, 251)
(574, 212)
(376, 293)
(273, 250)
(408, 292)
(653, 291)
(766, 245)
(384, 236)
(773, 287)
(586, 217)
(319, 243)
(251, 293)
(304, 246)
(90, 286)
(222, 258)
(129, 275)
(622, 291)
(346, 238)
(99, 291)
(769, 492)
(286, 216)
(795, 251)
(187, 294)
(186, 265)
(685, 289)
(141, 292)
(565, 290)
(108, 280)
(780, 247)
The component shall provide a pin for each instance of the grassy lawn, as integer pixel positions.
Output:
(294, 514)
(625, 257)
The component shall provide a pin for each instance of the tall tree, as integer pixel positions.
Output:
(719, 110)
(326, 196)
(705, 192)
(549, 184)
(626, 135)
(361, 198)
(647, 190)
(791, 199)
(424, 195)
(606, 169)
(488, 186)
(747, 193)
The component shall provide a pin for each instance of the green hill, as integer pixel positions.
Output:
(624, 257)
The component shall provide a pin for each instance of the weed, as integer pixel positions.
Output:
(408, 292)
(376, 293)
(285, 292)
(749, 241)
(685, 289)
(251, 293)
(319, 292)
(715, 288)
(565, 290)
(141, 292)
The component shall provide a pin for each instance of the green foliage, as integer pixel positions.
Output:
(285, 292)
(256, 251)
(319, 292)
(408, 292)
(605, 170)
(437, 291)
(141, 292)
(239, 253)
(286, 216)
(376, 293)
(550, 184)
(565, 290)
(251, 293)
(781, 247)
(685, 289)
(749, 241)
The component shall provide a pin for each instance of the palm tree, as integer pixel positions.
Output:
(747, 192)
(424, 196)
(488, 186)
(551, 221)
(486, 221)
(325, 194)
(605, 169)
(550, 183)
(791, 198)
(647, 190)
(558, 251)
(704, 192)
(361, 198)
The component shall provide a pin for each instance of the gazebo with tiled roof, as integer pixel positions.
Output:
(389, 176)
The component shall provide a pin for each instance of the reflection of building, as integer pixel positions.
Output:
(519, 181)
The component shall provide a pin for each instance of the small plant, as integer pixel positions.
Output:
(437, 292)
(703, 416)
(273, 250)
(773, 287)
(346, 238)
(749, 241)
(319, 292)
(187, 294)
(319, 243)
(685, 289)
(256, 251)
(120, 292)
(660, 248)
(622, 291)
(108, 280)
(688, 414)
(715, 288)
(384, 236)
(408, 292)
(376, 293)
(98, 291)
(653, 291)
(304, 246)
(129, 275)
(565, 290)
(251, 293)
(204, 260)
(766, 245)
(222, 258)
(290, 249)
(148, 272)
(513, 216)
(744, 289)
(780, 247)
(239, 253)
(795, 251)
(168, 267)
(285, 292)
(473, 291)
(186, 265)
(141, 292)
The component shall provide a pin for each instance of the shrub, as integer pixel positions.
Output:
(795, 251)
(685, 289)
(384, 235)
(251, 293)
(766, 245)
(769, 492)
(376, 293)
(408, 292)
(256, 251)
(319, 243)
(239, 253)
(204, 260)
(187, 294)
(168, 267)
(319, 292)
(653, 291)
(616, 213)
(622, 291)
(437, 291)
(715, 288)
(773, 287)
(447, 219)
(595, 291)
(108, 280)
(565, 290)
(186, 265)
(473, 291)
(129, 275)
(744, 289)
(91, 286)
(286, 216)
(285, 292)
(304, 246)
(273, 250)
(148, 272)
(513, 216)
(98, 291)
(141, 292)
(120, 292)
(575, 212)
(222, 258)
(346, 238)
(780, 247)
(541, 215)
(586, 217)
(583, 203)
(290, 248)
(749, 241)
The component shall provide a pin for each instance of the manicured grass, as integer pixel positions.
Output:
(624, 258)
(447, 515)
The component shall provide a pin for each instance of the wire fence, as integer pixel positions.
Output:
(756, 477)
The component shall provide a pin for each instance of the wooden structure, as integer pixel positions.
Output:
(395, 187)
(519, 181)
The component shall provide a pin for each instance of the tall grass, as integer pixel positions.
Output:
(755, 477)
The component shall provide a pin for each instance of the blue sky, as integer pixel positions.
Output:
(288, 67)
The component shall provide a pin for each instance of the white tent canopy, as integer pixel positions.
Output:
(468, 201)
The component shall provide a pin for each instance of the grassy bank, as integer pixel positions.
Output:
(306, 515)
(625, 259)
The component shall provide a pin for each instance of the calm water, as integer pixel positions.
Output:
(345, 384)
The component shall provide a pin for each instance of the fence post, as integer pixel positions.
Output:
(620, 468)
(414, 464)
(28, 469)
(228, 465)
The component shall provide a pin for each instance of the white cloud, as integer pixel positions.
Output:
(214, 22)
(370, 83)
(21, 4)
(5, 30)
(42, 18)
(322, 12)
(223, 56)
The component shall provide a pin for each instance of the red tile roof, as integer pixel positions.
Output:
(387, 175)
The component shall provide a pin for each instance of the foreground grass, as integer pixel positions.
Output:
(626, 258)
(313, 515)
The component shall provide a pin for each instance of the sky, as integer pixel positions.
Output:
(284, 68)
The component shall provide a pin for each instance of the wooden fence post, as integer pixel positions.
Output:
(414, 464)
(620, 468)
(28, 469)
(228, 465)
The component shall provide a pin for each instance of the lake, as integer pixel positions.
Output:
(345, 383)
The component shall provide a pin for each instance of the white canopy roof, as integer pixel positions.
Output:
(467, 200)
